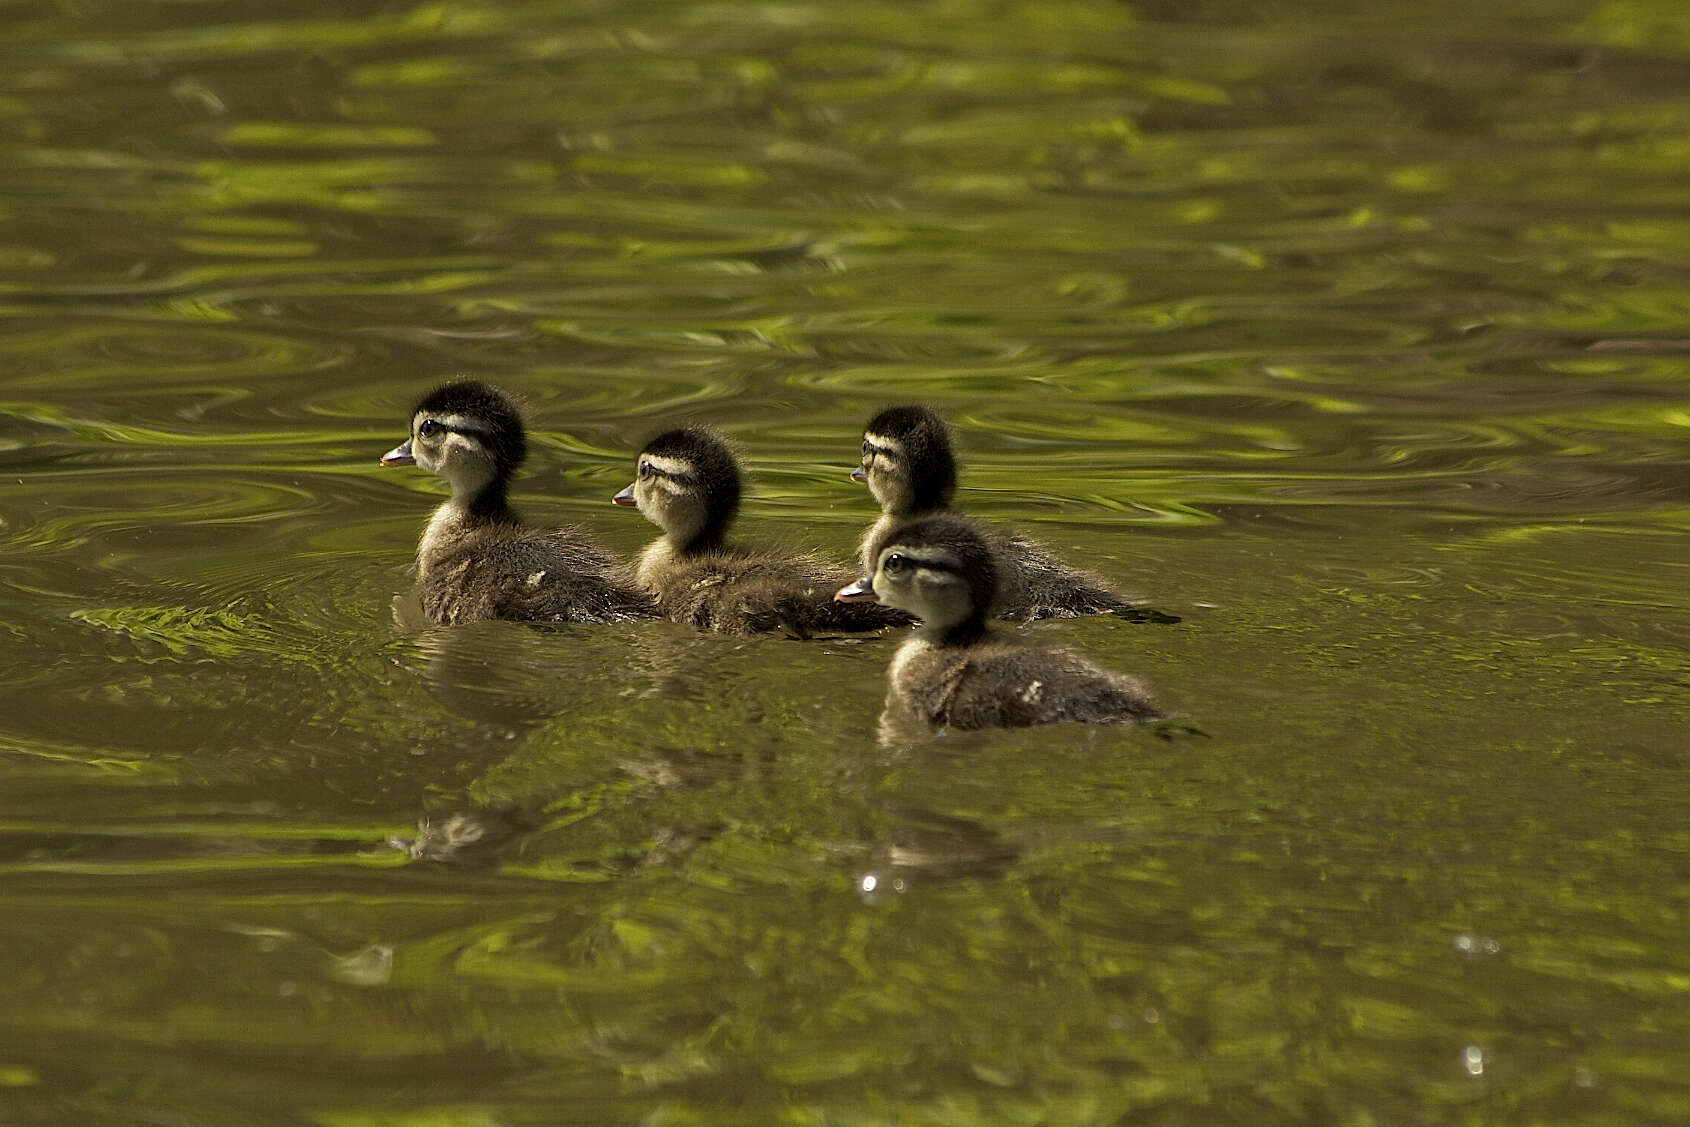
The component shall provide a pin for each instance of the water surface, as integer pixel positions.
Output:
(1355, 341)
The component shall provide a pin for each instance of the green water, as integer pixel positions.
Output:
(1355, 337)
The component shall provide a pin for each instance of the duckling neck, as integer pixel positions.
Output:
(461, 515)
(926, 639)
(700, 545)
(697, 542)
(889, 519)
(970, 631)
(913, 505)
(929, 494)
(667, 551)
(488, 505)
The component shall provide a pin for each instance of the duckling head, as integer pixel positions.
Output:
(468, 433)
(907, 461)
(688, 485)
(936, 568)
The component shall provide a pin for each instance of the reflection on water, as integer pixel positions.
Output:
(1353, 339)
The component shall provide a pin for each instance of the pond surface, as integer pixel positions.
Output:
(1361, 343)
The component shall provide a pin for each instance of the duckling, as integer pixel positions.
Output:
(909, 468)
(953, 672)
(688, 485)
(477, 560)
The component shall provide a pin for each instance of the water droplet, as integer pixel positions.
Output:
(1471, 943)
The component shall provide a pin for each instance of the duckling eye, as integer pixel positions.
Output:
(429, 429)
(867, 449)
(893, 564)
(645, 469)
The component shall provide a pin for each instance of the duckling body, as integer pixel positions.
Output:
(523, 574)
(910, 469)
(477, 559)
(953, 672)
(730, 593)
(1001, 685)
(688, 484)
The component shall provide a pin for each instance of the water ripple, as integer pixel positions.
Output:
(97, 354)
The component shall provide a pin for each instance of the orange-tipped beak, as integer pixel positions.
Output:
(862, 591)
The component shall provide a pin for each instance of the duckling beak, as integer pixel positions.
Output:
(400, 455)
(625, 498)
(858, 476)
(862, 591)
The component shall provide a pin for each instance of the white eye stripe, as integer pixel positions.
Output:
(936, 561)
(884, 445)
(674, 467)
(467, 424)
